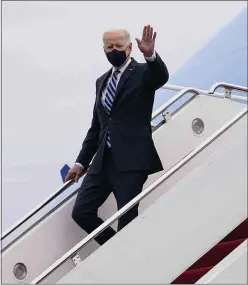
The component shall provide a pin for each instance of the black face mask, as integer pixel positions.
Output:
(117, 57)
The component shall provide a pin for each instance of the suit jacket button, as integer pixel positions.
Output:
(110, 119)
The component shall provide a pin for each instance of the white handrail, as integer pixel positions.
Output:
(173, 99)
(210, 92)
(37, 209)
(139, 197)
(227, 86)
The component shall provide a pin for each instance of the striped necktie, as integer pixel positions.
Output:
(109, 97)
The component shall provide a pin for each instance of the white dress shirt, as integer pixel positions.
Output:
(121, 69)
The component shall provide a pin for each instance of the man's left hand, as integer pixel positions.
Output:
(147, 43)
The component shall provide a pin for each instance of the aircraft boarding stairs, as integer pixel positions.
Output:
(192, 225)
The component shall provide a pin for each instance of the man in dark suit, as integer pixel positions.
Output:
(120, 137)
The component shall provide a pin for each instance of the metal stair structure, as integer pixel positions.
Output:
(182, 233)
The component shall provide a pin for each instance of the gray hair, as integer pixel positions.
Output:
(127, 34)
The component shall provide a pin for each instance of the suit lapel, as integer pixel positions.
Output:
(100, 90)
(124, 77)
(103, 83)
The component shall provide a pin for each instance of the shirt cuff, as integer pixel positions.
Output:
(151, 58)
(79, 164)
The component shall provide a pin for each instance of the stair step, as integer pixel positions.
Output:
(216, 254)
(239, 232)
(191, 276)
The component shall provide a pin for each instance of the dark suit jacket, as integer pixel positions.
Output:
(129, 122)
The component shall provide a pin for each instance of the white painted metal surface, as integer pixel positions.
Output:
(231, 270)
(227, 86)
(147, 191)
(185, 222)
(168, 140)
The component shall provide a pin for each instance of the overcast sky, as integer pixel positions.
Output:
(52, 55)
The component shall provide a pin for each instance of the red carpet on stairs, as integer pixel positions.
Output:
(191, 276)
(214, 255)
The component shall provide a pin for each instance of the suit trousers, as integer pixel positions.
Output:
(95, 190)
